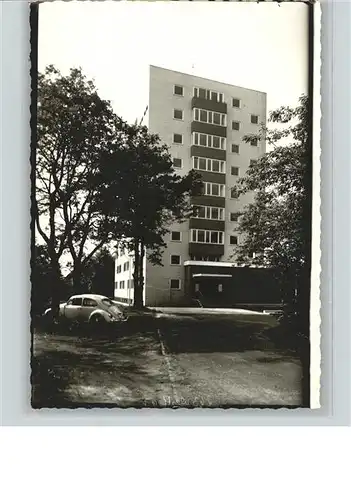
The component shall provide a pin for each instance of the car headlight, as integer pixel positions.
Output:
(114, 318)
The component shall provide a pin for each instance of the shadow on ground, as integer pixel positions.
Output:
(87, 361)
(127, 366)
(49, 384)
(226, 336)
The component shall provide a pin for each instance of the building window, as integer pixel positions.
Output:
(126, 266)
(116, 285)
(119, 269)
(212, 189)
(234, 170)
(205, 258)
(174, 284)
(235, 148)
(212, 117)
(234, 217)
(233, 240)
(178, 90)
(215, 213)
(121, 284)
(254, 119)
(236, 102)
(216, 142)
(218, 118)
(211, 213)
(175, 260)
(129, 284)
(208, 94)
(200, 93)
(175, 236)
(208, 164)
(177, 138)
(234, 193)
(209, 141)
(177, 162)
(199, 212)
(253, 163)
(178, 114)
(76, 301)
(235, 125)
(206, 236)
(217, 166)
(203, 140)
(254, 142)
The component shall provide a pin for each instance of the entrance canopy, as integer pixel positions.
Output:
(212, 276)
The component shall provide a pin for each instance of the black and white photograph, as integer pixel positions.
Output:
(173, 162)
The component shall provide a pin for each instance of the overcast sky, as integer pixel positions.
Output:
(258, 46)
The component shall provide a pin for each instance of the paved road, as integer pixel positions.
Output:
(196, 311)
(168, 366)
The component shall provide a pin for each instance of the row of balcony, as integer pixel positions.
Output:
(208, 128)
(206, 249)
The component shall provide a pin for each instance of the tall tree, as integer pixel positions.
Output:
(98, 274)
(142, 192)
(41, 279)
(75, 128)
(273, 225)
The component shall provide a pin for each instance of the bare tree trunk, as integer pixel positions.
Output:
(55, 266)
(77, 278)
(141, 273)
(303, 324)
(138, 288)
(55, 285)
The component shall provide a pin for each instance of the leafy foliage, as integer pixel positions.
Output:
(100, 180)
(75, 126)
(96, 275)
(143, 195)
(273, 225)
(42, 282)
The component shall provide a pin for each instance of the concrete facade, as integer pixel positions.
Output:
(184, 104)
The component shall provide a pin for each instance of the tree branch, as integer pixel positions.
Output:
(36, 217)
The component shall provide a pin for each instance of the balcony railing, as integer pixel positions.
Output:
(205, 249)
(209, 104)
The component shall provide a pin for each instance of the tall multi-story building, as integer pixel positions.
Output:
(203, 122)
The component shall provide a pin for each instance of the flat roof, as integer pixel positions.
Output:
(219, 264)
(208, 79)
(209, 263)
(212, 276)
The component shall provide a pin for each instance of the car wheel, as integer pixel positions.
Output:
(48, 320)
(48, 316)
(97, 320)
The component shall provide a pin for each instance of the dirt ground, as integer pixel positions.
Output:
(172, 362)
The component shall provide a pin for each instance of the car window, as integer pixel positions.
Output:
(89, 302)
(107, 302)
(77, 301)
